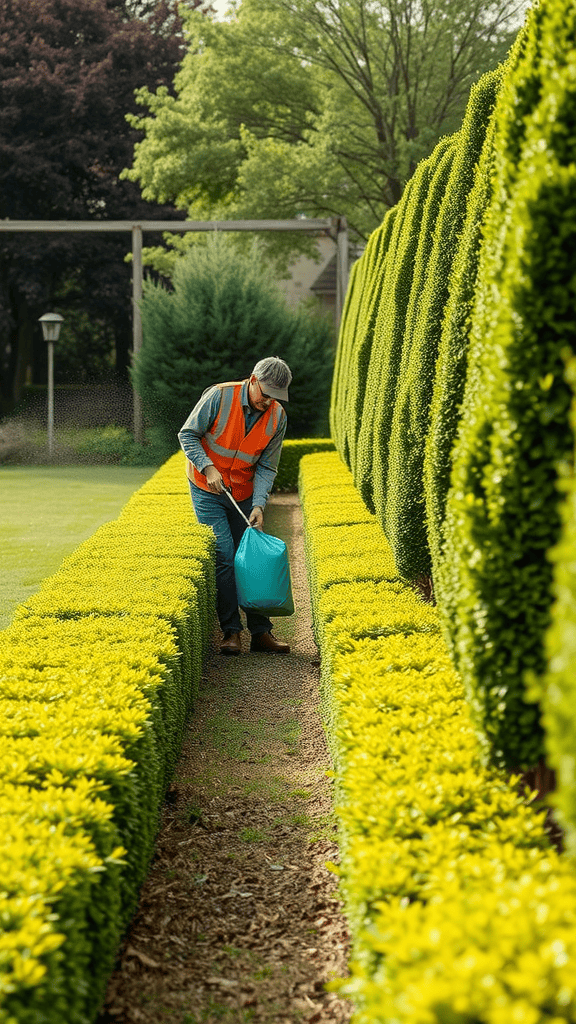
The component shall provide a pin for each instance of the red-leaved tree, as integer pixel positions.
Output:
(68, 71)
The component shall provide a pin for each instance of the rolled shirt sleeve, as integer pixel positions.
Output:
(199, 421)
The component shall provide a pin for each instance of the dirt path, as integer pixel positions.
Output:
(239, 919)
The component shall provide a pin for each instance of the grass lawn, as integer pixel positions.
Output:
(46, 512)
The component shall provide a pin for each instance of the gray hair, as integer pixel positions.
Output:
(273, 371)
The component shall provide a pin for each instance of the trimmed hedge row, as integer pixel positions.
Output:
(97, 675)
(460, 910)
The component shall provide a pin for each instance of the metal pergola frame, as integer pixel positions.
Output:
(336, 227)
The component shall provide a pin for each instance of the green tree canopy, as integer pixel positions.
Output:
(294, 107)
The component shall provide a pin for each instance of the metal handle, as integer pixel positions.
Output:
(229, 493)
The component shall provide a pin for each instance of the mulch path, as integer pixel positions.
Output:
(240, 918)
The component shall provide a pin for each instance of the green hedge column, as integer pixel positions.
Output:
(386, 350)
(400, 490)
(357, 298)
(342, 362)
(502, 510)
(452, 363)
(405, 500)
(557, 691)
(397, 301)
(360, 359)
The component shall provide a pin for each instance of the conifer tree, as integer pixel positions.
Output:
(221, 316)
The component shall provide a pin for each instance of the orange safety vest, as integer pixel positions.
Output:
(233, 452)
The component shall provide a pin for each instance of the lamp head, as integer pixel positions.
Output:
(51, 323)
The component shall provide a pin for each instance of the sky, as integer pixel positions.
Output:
(220, 6)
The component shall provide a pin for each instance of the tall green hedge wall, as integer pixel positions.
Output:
(459, 432)
(557, 690)
(396, 498)
(386, 348)
(515, 439)
(451, 364)
(404, 515)
(364, 334)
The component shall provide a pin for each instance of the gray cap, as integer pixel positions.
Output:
(274, 377)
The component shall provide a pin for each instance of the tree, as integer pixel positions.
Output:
(293, 106)
(68, 71)
(221, 316)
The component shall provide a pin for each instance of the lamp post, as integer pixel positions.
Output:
(51, 323)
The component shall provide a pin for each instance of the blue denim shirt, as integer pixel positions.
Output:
(201, 419)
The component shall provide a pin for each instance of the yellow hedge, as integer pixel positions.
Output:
(97, 675)
(292, 451)
(460, 909)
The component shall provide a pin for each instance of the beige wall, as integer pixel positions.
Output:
(305, 272)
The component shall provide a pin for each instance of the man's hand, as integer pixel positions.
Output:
(214, 480)
(256, 517)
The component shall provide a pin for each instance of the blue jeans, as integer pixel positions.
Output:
(217, 511)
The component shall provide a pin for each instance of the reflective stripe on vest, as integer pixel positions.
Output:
(233, 452)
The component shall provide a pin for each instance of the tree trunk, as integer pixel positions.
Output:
(22, 338)
(542, 781)
(6, 376)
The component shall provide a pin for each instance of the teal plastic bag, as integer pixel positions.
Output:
(262, 572)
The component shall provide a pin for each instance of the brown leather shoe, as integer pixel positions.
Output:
(231, 644)
(269, 643)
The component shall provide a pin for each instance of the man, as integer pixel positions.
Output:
(233, 439)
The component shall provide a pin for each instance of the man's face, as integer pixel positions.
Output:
(257, 398)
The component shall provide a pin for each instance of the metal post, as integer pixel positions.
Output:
(137, 322)
(341, 268)
(50, 399)
(336, 227)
